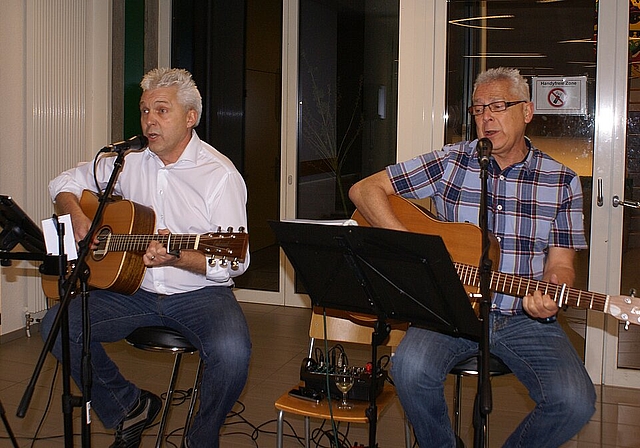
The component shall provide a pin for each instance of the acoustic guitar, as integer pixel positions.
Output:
(464, 243)
(116, 264)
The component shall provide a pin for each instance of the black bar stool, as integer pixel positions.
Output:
(167, 340)
(469, 367)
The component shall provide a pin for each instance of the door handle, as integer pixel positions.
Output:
(632, 204)
(600, 197)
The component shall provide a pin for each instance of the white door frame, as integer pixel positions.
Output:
(609, 170)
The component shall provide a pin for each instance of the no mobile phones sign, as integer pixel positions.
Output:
(562, 96)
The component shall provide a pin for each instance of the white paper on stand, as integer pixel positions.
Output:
(51, 237)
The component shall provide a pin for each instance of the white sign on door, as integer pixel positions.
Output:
(560, 96)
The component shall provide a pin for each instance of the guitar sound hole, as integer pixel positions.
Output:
(99, 253)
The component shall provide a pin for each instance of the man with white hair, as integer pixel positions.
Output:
(193, 189)
(535, 213)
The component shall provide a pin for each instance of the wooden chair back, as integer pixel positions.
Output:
(342, 326)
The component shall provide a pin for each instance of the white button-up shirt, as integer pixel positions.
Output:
(200, 193)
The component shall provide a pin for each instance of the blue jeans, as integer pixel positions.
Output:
(210, 318)
(541, 357)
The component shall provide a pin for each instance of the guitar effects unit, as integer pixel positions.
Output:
(315, 378)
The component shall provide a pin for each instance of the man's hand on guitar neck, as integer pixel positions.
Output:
(558, 269)
(158, 255)
(539, 305)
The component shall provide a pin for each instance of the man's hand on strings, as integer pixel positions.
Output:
(157, 255)
(539, 305)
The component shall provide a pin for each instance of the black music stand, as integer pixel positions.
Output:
(390, 274)
(17, 228)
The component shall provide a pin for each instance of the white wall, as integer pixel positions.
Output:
(45, 48)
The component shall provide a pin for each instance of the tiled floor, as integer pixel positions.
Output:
(280, 341)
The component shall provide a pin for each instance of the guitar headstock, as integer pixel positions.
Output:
(226, 246)
(625, 308)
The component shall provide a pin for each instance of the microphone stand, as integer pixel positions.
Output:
(79, 273)
(483, 403)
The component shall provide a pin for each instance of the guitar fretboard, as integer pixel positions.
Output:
(139, 243)
(519, 287)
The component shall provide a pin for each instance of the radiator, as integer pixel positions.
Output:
(56, 93)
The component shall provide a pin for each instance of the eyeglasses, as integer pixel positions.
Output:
(496, 106)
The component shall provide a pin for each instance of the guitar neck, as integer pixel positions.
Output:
(519, 287)
(464, 243)
(139, 243)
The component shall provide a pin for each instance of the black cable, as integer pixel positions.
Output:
(179, 396)
(95, 174)
(317, 436)
(46, 408)
(336, 438)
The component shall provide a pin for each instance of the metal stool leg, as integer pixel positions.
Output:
(169, 398)
(457, 405)
(486, 432)
(407, 432)
(457, 412)
(192, 403)
(279, 429)
(307, 432)
(470, 367)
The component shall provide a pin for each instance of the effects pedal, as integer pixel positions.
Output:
(314, 376)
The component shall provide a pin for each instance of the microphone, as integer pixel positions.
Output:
(134, 143)
(484, 148)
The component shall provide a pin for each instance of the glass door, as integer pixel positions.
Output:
(620, 196)
(343, 108)
(347, 90)
(562, 44)
(551, 43)
(233, 50)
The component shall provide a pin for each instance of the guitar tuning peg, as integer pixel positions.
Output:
(235, 265)
(230, 229)
(626, 325)
(241, 229)
(219, 229)
(223, 263)
(632, 292)
(212, 261)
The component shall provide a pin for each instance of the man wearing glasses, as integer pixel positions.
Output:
(535, 212)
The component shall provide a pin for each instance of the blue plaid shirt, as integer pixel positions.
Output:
(532, 205)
